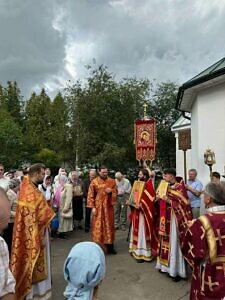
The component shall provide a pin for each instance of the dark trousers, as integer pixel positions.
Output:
(87, 218)
(7, 236)
(77, 208)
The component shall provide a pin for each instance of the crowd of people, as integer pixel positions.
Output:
(165, 227)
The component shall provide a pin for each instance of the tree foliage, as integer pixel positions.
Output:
(91, 122)
(162, 108)
(11, 101)
(102, 116)
(48, 157)
(11, 140)
(37, 121)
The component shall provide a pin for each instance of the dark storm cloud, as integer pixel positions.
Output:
(156, 39)
(45, 43)
(31, 49)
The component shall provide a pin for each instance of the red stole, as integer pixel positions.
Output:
(180, 207)
(147, 208)
(162, 219)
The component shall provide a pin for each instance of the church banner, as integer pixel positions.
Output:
(145, 139)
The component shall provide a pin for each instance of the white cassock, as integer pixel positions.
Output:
(177, 265)
(142, 251)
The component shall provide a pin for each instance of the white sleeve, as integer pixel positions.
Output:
(7, 281)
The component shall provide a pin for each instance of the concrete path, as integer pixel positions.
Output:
(125, 279)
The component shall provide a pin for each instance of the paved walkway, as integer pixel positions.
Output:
(125, 279)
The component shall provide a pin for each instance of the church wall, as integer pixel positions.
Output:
(208, 130)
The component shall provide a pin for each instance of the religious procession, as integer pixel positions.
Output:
(162, 216)
(112, 150)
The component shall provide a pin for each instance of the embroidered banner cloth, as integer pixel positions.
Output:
(145, 139)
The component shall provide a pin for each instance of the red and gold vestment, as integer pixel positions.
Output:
(179, 206)
(204, 249)
(147, 208)
(103, 230)
(28, 259)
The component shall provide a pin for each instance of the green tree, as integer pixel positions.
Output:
(92, 121)
(102, 115)
(11, 140)
(11, 100)
(49, 157)
(162, 108)
(3, 101)
(37, 122)
(59, 125)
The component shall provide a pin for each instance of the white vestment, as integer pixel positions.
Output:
(177, 266)
(142, 251)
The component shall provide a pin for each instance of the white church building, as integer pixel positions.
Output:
(202, 103)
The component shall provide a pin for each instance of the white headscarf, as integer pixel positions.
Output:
(84, 269)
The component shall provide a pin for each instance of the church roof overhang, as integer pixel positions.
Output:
(212, 76)
(181, 124)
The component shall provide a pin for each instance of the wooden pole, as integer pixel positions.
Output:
(185, 167)
(210, 172)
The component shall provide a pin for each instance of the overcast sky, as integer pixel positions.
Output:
(45, 43)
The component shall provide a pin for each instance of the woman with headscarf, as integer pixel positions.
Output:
(61, 171)
(84, 269)
(47, 189)
(65, 207)
(77, 199)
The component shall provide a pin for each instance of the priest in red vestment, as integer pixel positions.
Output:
(142, 239)
(204, 246)
(175, 212)
(30, 259)
(102, 198)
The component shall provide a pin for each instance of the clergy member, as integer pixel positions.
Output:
(204, 246)
(101, 198)
(30, 259)
(175, 212)
(141, 239)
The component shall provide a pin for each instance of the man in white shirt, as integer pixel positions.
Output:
(124, 189)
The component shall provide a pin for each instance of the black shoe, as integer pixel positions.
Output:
(176, 278)
(112, 251)
(79, 227)
(140, 261)
(86, 229)
(61, 236)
